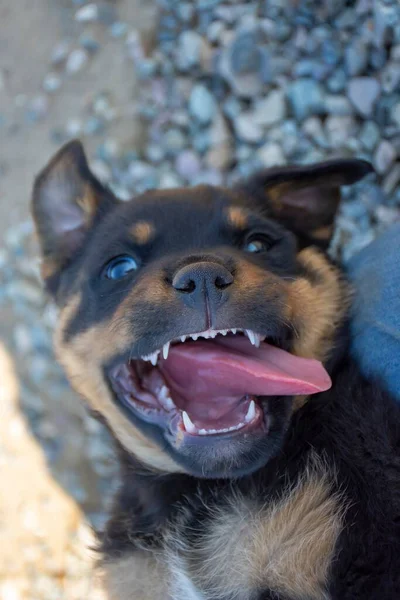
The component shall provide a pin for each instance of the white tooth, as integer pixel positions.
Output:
(183, 338)
(234, 330)
(202, 432)
(259, 338)
(194, 336)
(165, 350)
(189, 426)
(213, 333)
(165, 399)
(153, 358)
(250, 335)
(224, 331)
(251, 413)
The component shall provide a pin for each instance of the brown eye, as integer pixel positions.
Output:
(257, 245)
(120, 267)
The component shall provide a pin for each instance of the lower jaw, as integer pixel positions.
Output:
(173, 427)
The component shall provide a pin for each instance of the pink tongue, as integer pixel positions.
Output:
(204, 371)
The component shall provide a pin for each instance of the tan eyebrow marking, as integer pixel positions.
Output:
(142, 232)
(236, 217)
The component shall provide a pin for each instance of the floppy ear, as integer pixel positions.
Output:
(67, 200)
(305, 198)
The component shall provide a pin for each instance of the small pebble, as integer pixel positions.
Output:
(247, 128)
(364, 92)
(52, 83)
(384, 157)
(270, 109)
(188, 165)
(306, 98)
(271, 155)
(202, 104)
(76, 61)
(87, 13)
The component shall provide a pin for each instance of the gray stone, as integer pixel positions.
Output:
(356, 57)
(174, 140)
(270, 109)
(363, 92)
(392, 179)
(337, 81)
(119, 29)
(87, 13)
(76, 61)
(390, 77)
(385, 17)
(214, 32)
(185, 11)
(51, 83)
(60, 53)
(247, 128)
(202, 105)
(38, 108)
(313, 128)
(384, 157)
(339, 129)
(369, 135)
(192, 48)
(188, 165)
(169, 181)
(270, 155)
(220, 154)
(306, 98)
(245, 64)
(338, 105)
(396, 114)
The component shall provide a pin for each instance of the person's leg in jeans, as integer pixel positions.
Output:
(375, 327)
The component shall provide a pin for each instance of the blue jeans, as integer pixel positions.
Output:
(375, 327)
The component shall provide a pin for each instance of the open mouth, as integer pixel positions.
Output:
(213, 383)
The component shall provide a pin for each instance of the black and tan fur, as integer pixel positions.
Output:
(313, 514)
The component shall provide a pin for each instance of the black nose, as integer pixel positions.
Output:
(203, 279)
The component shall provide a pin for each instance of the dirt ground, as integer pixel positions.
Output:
(39, 522)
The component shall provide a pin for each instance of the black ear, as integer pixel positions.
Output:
(67, 201)
(305, 198)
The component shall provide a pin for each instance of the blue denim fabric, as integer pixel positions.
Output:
(375, 328)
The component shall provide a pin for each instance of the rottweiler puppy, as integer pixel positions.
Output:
(207, 328)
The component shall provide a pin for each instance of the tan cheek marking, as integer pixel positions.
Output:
(236, 217)
(136, 577)
(323, 234)
(82, 358)
(142, 232)
(286, 547)
(317, 309)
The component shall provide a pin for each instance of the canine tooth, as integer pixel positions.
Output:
(165, 350)
(189, 426)
(251, 336)
(251, 412)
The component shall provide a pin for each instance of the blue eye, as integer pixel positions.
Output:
(257, 245)
(120, 267)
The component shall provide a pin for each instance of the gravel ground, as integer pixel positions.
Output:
(225, 88)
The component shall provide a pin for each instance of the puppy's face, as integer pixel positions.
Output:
(192, 319)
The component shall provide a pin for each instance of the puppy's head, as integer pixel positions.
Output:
(191, 319)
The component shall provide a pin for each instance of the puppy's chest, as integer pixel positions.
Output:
(250, 551)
